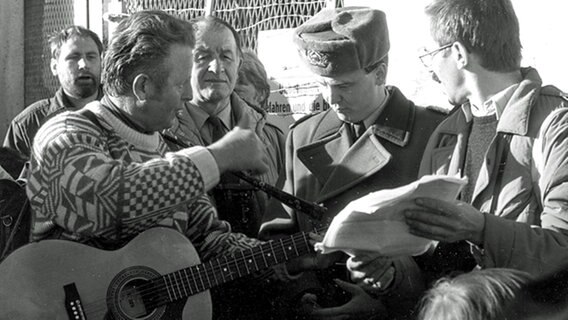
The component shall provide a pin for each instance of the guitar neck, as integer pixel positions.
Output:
(192, 280)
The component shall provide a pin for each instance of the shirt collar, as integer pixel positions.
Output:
(64, 101)
(225, 116)
(494, 105)
(199, 116)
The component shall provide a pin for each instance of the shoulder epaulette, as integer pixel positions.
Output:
(302, 119)
(551, 90)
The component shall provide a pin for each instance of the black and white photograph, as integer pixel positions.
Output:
(283, 160)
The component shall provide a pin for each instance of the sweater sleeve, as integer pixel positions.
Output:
(210, 236)
(82, 185)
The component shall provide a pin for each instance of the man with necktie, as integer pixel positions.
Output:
(213, 111)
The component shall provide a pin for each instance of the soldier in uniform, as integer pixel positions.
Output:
(371, 138)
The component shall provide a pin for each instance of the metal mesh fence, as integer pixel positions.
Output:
(247, 16)
(41, 19)
(185, 9)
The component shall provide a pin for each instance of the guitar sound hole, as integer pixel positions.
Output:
(130, 299)
(132, 295)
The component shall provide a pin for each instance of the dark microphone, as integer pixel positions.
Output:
(313, 210)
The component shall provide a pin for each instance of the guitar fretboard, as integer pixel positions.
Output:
(189, 281)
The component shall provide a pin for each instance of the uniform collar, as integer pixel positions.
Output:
(393, 124)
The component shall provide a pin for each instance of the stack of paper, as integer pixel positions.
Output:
(376, 223)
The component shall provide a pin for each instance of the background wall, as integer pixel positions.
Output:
(11, 62)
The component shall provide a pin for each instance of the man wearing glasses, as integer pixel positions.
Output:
(510, 138)
(427, 57)
(372, 138)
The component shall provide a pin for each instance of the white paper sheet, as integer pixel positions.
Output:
(376, 223)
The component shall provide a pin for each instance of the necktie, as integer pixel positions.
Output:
(356, 130)
(218, 130)
(359, 129)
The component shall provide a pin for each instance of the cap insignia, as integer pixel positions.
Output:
(317, 58)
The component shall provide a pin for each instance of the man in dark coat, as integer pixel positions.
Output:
(76, 62)
(372, 138)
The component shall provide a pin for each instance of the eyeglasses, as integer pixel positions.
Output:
(428, 56)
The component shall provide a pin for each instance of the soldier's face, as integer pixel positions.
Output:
(352, 95)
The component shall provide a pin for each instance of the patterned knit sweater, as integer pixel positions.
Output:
(89, 178)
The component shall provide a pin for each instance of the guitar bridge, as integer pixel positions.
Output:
(73, 303)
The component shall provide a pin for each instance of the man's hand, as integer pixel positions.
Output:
(446, 221)
(361, 305)
(316, 261)
(372, 272)
(240, 149)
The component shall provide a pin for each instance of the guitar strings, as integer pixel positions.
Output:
(244, 255)
(218, 270)
(239, 263)
(152, 288)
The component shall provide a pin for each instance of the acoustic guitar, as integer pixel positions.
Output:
(157, 275)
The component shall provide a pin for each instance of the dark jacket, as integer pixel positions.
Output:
(24, 126)
(322, 167)
(240, 204)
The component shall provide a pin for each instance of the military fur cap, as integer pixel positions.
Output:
(336, 41)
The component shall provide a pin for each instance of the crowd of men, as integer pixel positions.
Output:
(148, 132)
